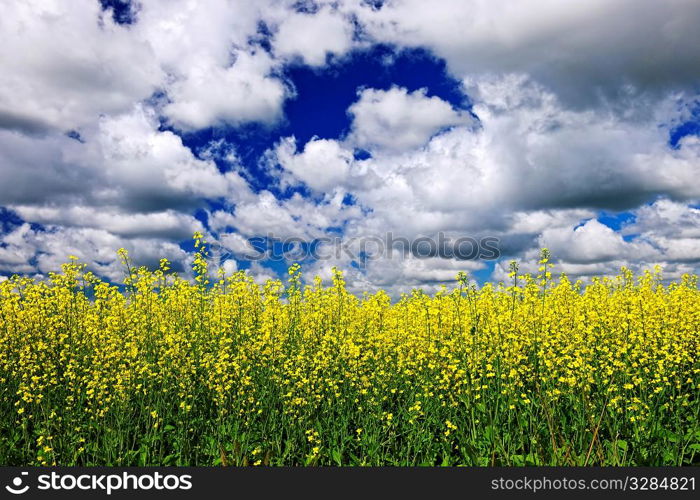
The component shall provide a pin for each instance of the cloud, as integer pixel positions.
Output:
(212, 95)
(313, 36)
(589, 242)
(593, 51)
(662, 233)
(125, 161)
(118, 177)
(216, 76)
(398, 120)
(28, 251)
(323, 164)
(126, 184)
(666, 218)
(534, 173)
(167, 224)
(236, 244)
(530, 153)
(394, 274)
(670, 227)
(260, 273)
(295, 217)
(65, 63)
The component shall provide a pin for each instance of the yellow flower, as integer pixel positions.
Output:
(174, 357)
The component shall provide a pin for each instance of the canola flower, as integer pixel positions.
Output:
(164, 371)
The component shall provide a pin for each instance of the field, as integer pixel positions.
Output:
(163, 371)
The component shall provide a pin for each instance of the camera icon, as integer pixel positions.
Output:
(16, 488)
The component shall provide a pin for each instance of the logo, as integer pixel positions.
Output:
(108, 483)
(16, 488)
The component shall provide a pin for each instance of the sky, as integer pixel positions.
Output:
(329, 125)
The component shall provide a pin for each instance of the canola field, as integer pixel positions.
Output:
(164, 371)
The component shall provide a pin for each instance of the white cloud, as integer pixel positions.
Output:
(167, 224)
(215, 76)
(236, 244)
(313, 36)
(63, 64)
(670, 227)
(589, 242)
(295, 217)
(395, 273)
(125, 161)
(28, 251)
(229, 267)
(66, 63)
(322, 165)
(260, 273)
(666, 218)
(127, 184)
(663, 233)
(531, 153)
(398, 120)
(214, 95)
(529, 175)
(584, 51)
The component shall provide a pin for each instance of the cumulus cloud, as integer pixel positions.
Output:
(529, 154)
(125, 161)
(260, 273)
(215, 75)
(534, 173)
(26, 250)
(398, 120)
(313, 36)
(666, 218)
(672, 228)
(323, 164)
(295, 217)
(64, 63)
(168, 224)
(396, 274)
(592, 51)
(213, 95)
(127, 184)
(589, 242)
(663, 233)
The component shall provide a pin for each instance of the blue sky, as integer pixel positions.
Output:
(135, 125)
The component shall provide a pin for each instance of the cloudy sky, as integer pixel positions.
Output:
(571, 125)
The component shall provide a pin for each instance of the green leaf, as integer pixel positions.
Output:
(337, 457)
